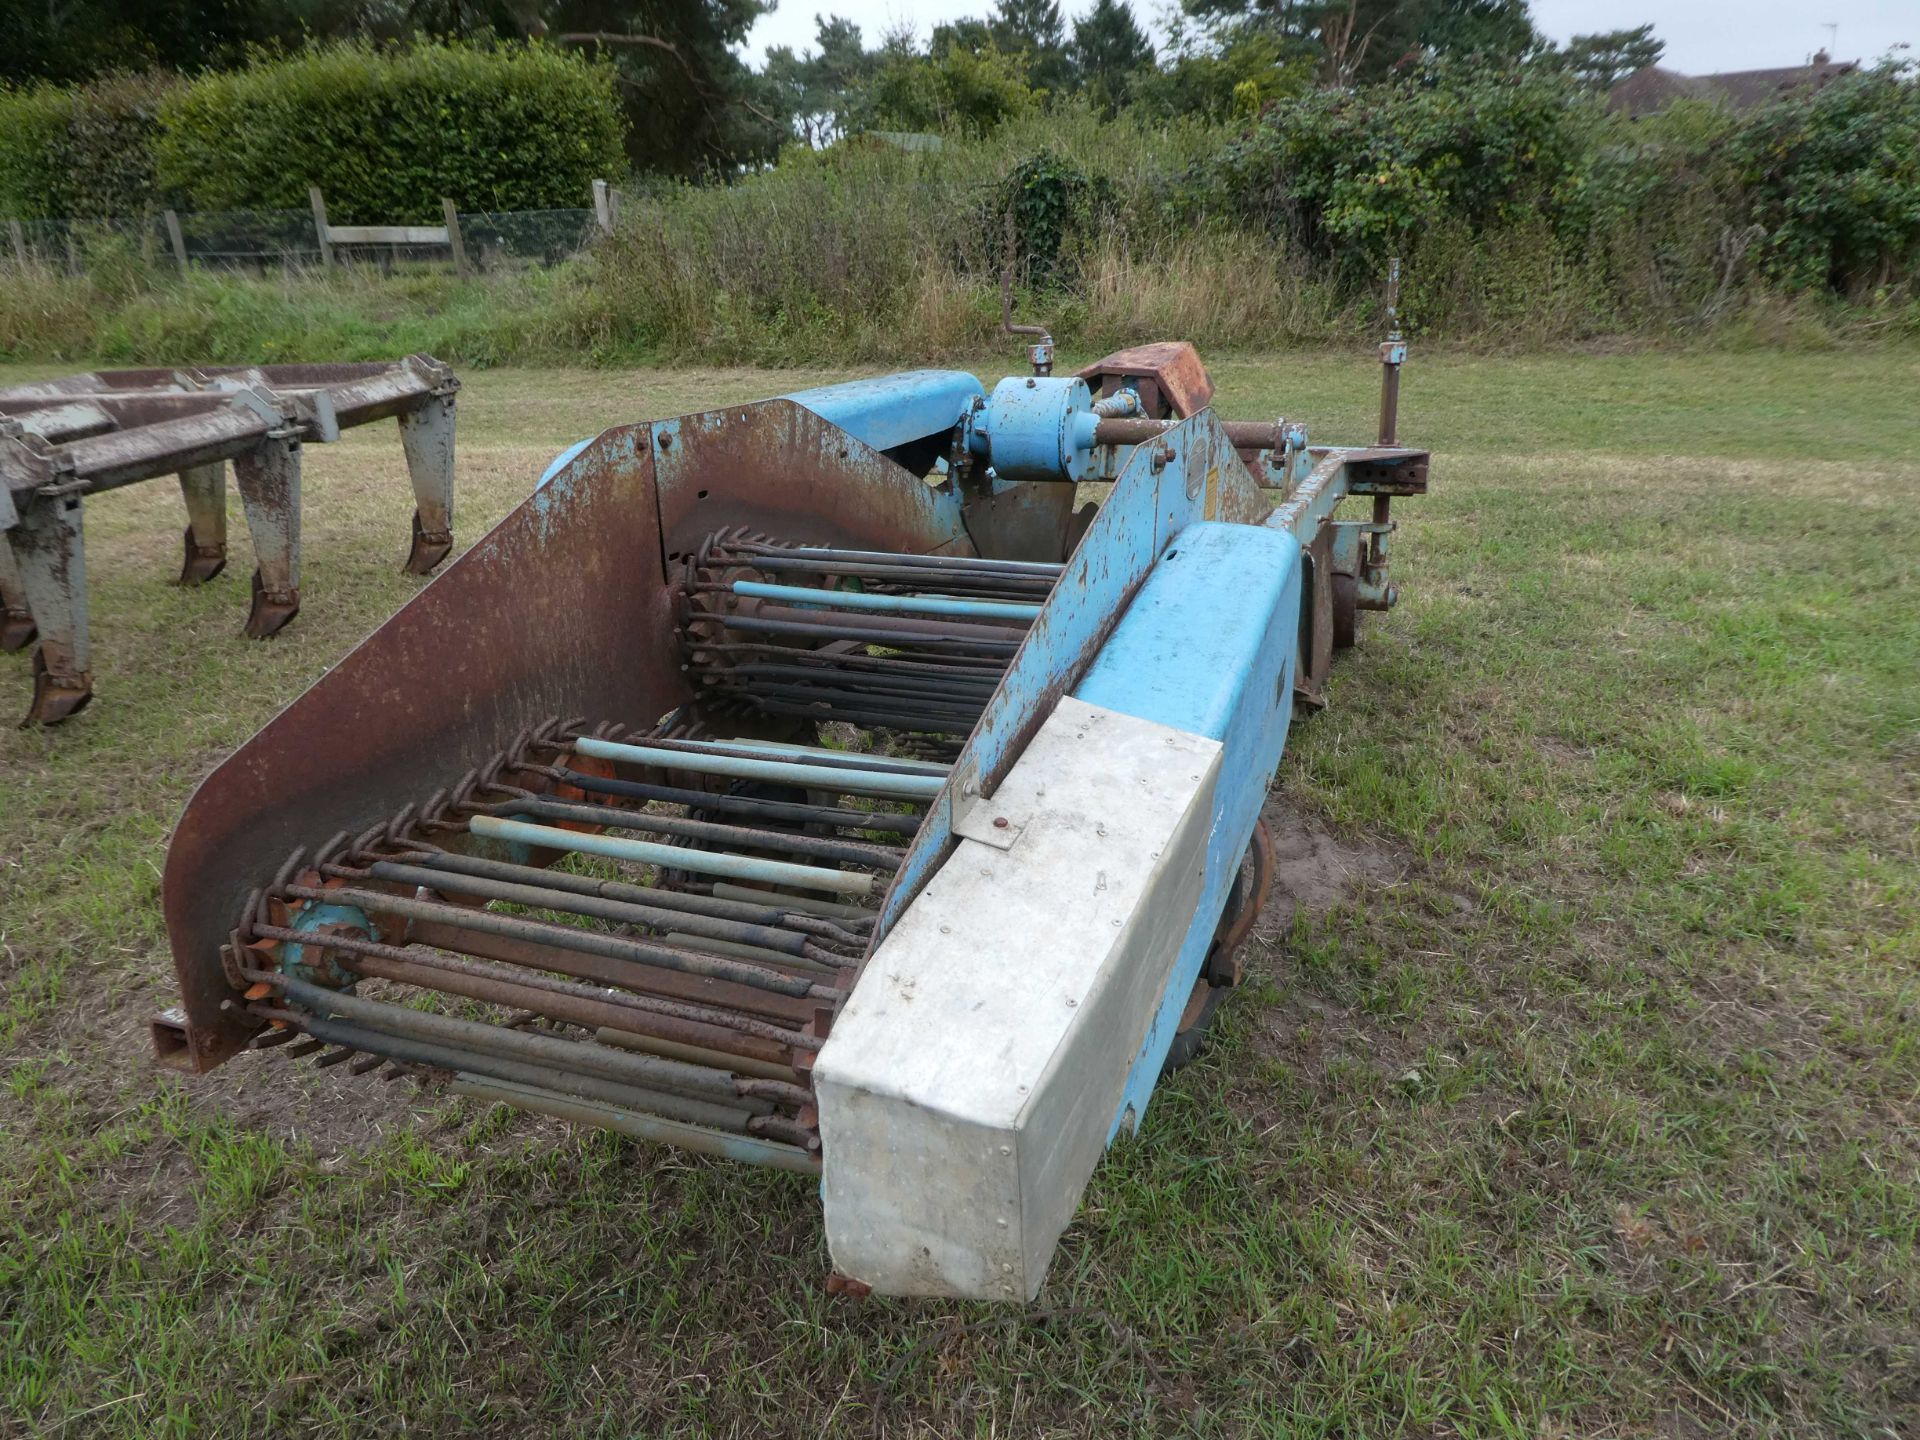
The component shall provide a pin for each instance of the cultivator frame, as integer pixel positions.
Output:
(838, 656)
(62, 440)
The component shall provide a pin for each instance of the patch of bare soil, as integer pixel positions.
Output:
(1314, 869)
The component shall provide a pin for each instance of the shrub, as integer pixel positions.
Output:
(104, 156)
(84, 153)
(32, 123)
(386, 133)
(1351, 176)
(972, 92)
(1833, 178)
(1053, 206)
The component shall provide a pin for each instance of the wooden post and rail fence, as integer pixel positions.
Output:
(607, 204)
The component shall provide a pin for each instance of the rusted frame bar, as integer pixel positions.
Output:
(487, 960)
(567, 937)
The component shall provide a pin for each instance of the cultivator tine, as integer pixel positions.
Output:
(17, 629)
(269, 479)
(204, 488)
(426, 434)
(49, 550)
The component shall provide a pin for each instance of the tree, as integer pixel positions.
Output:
(1029, 25)
(692, 104)
(75, 40)
(1033, 29)
(1108, 48)
(960, 88)
(1600, 60)
(1226, 73)
(1500, 31)
(1356, 41)
(818, 88)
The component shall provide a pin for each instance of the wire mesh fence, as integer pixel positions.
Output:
(265, 240)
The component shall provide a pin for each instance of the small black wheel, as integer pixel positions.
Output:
(1222, 969)
(1191, 1037)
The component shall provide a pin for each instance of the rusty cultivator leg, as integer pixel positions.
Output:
(204, 488)
(61, 440)
(910, 827)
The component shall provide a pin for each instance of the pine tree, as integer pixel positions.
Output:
(1108, 48)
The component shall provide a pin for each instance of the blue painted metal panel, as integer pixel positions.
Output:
(1150, 503)
(1208, 646)
(891, 410)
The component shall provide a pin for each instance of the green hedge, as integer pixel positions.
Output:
(32, 123)
(86, 153)
(387, 133)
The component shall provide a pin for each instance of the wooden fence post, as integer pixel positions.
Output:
(453, 236)
(19, 234)
(616, 202)
(603, 207)
(176, 240)
(320, 224)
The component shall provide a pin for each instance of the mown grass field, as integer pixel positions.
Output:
(1591, 1109)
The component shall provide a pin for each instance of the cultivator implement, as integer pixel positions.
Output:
(62, 440)
(814, 783)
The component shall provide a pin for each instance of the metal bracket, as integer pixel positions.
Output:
(990, 824)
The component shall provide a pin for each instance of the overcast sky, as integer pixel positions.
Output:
(1702, 35)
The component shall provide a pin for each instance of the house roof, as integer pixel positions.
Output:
(1652, 88)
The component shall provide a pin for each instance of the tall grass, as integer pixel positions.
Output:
(865, 254)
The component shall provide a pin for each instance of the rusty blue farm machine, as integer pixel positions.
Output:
(826, 783)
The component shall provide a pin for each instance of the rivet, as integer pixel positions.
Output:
(946, 929)
(1116, 924)
(1071, 1002)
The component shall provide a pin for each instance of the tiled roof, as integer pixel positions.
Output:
(1653, 88)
